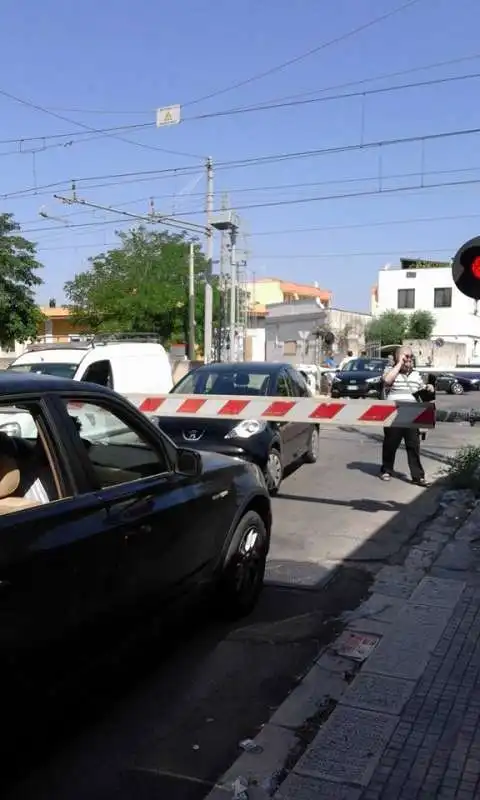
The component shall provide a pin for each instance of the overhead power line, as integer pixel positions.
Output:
(277, 187)
(333, 87)
(71, 138)
(312, 51)
(254, 161)
(63, 118)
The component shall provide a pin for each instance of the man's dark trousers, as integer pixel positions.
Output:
(391, 442)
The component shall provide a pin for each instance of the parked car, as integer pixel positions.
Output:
(456, 383)
(273, 446)
(361, 377)
(98, 526)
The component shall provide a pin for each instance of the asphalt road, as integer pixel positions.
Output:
(170, 725)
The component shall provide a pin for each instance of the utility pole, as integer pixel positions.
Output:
(208, 319)
(233, 294)
(191, 303)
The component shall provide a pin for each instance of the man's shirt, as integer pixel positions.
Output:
(404, 386)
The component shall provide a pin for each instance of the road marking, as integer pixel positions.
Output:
(165, 773)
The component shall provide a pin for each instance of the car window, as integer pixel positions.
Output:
(284, 387)
(299, 384)
(99, 372)
(117, 451)
(224, 381)
(59, 370)
(27, 468)
(365, 365)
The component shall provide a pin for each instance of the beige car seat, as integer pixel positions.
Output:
(9, 483)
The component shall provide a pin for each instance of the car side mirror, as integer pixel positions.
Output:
(189, 463)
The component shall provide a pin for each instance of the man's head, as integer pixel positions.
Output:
(404, 355)
(349, 353)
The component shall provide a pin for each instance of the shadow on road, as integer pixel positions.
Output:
(356, 504)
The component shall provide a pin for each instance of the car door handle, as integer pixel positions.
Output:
(134, 511)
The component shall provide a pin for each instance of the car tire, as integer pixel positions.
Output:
(241, 582)
(457, 388)
(311, 456)
(273, 471)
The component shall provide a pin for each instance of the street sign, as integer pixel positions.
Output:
(466, 269)
(170, 115)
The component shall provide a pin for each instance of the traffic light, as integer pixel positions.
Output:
(466, 269)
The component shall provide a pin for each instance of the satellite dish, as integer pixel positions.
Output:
(439, 342)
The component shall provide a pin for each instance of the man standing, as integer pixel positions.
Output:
(401, 383)
(345, 360)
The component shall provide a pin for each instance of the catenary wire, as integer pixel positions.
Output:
(312, 51)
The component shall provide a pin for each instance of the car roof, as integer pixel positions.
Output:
(12, 382)
(245, 366)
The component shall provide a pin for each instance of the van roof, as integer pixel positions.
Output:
(74, 352)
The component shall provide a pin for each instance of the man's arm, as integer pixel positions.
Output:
(390, 375)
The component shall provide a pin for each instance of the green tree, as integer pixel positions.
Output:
(141, 286)
(388, 328)
(19, 313)
(420, 325)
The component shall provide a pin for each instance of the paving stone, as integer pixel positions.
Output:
(404, 652)
(348, 746)
(311, 695)
(371, 626)
(397, 581)
(380, 607)
(438, 592)
(378, 693)
(423, 556)
(298, 787)
(456, 555)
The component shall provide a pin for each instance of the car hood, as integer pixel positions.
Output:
(181, 429)
(359, 375)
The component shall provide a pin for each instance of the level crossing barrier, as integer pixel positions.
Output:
(326, 411)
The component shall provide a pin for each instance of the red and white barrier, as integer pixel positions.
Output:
(281, 409)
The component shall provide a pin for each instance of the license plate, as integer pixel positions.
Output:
(352, 388)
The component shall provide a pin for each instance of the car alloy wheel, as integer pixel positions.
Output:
(242, 580)
(457, 388)
(311, 455)
(274, 471)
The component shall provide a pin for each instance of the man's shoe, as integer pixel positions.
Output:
(420, 482)
(384, 476)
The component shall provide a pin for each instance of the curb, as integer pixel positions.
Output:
(397, 593)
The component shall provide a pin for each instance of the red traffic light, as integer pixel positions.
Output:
(466, 269)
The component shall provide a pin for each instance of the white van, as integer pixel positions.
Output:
(131, 364)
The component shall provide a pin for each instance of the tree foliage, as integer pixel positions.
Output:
(141, 286)
(420, 325)
(19, 313)
(388, 328)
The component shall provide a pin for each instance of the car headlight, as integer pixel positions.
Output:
(246, 428)
(373, 380)
(11, 429)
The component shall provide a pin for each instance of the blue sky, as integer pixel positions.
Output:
(110, 64)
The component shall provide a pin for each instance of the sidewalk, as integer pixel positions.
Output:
(395, 713)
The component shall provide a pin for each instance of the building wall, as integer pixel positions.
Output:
(265, 292)
(458, 323)
(290, 332)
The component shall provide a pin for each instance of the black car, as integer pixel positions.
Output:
(273, 446)
(103, 517)
(457, 383)
(361, 377)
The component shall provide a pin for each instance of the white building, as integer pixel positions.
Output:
(431, 289)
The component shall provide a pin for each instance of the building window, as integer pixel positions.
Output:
(406, 298)
(290, 348)
(442, 298)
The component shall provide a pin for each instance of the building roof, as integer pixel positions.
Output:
(55, 313)
(305, 290)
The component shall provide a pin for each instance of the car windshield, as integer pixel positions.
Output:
(59, 370)
(365, 365)
(224, 381)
